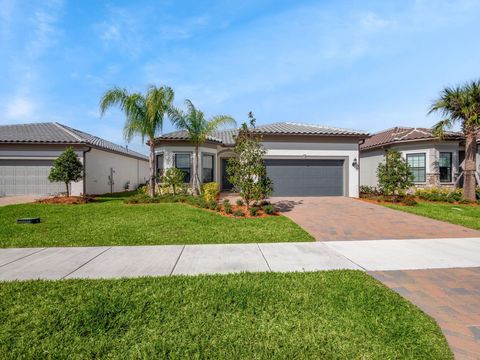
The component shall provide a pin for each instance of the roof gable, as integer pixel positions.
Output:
(55, 133)
(400, 134)
(227, 137)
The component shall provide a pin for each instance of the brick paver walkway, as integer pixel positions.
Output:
(450, 296)
(342, 218)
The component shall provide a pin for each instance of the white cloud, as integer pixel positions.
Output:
(19, 109)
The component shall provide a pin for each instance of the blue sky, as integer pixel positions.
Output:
(366, 65)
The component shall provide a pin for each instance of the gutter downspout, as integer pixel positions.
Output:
(361, 142)
(84, 172)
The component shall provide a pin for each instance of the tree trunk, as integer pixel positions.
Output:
(68, 192)
(196, 179)
(152, 168)
(470, 167)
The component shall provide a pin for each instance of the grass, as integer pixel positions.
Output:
(111, 222)
(323, 315)
(465, 215)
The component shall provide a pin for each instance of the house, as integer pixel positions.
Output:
(301, 159)
(27, 152)
(434, 162)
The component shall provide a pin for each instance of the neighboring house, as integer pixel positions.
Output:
(27, 152)
(301, 159)
(434, 162)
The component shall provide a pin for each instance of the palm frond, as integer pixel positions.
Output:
(220, 121)
(439, 128)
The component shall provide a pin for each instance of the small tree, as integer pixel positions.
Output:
(173, 178)
(247, 171)
(394, 175)
(66, 168)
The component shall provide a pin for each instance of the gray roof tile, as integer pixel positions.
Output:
(226, 137)
(54, 133)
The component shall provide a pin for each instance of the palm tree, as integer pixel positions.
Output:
(461, 105)
(198, 128)
(144, 116)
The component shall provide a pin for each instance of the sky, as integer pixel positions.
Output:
(366, 65)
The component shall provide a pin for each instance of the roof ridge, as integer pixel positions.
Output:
(68, 131)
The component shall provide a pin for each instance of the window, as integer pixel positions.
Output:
(445, 165)
(417, 166)
(207, 168)
(160, 165)
(182, 162)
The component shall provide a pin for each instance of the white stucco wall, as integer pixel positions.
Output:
(370, 159)
(97, 171)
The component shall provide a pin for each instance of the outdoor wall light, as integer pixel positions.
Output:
(355, 163)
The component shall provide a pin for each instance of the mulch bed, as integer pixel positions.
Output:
(260, 214)
(69, 200)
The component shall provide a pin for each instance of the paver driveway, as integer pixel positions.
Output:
(342, 218)
(450, 296)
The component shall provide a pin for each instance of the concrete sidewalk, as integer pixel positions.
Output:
(133, 261)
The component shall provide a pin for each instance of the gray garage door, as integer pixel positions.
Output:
(306, 177)
(27, 177)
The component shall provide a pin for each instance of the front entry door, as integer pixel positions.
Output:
(226, 185)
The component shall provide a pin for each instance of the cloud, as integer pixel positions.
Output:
(19, 109)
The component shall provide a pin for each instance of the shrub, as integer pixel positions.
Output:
(240, 202)
(66, 168)
(247, 170)
(227, 206)
(253, 211)
(238, 212)
(173, 178)
(394, 175)
(269, 209)
(439, 194)
(210, 191)
(409, 201)
(212, 205)
(477, 191)
(369, 190)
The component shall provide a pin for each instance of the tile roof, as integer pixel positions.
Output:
(404, 134)
(226, 137)
(55, 133)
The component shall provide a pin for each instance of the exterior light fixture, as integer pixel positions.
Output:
(355, 163)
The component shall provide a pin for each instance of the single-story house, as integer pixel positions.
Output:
(27, 152)
(301, 159)
(433, 161)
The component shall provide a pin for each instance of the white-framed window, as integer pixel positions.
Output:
(417, 163)
(445, 166)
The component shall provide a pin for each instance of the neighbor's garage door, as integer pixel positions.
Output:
(27, 177)
(306, 177)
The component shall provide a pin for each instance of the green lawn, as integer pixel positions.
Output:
(111, 222)
(323, 315)
(465, 215)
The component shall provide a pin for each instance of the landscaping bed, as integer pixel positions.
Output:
(226, 208)
(72, 200)
(108, 221)
(325, 315)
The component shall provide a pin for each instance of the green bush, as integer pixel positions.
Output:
(439, 194)
(227, 206)
(253, 211)
(477, 191)
(212, 204)
(269, 209)
(210, 191)
(238, 212)
(173, 178)
(240, 202)
(409, 201)
(369, 190)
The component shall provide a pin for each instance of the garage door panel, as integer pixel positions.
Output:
(305, 177)
(27, 177)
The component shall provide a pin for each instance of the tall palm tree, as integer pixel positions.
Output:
(144, 116)
(193, 121)
(461, 105)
